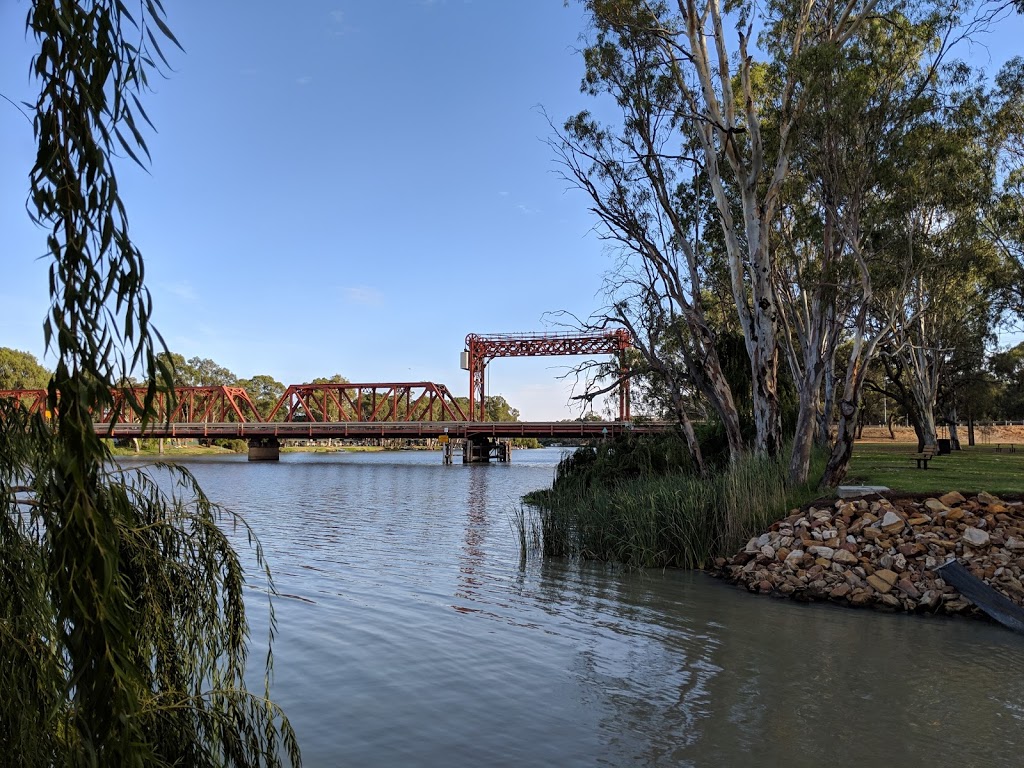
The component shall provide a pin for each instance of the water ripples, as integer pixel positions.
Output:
(411, 634)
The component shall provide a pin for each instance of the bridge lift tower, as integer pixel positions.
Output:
(482, 349)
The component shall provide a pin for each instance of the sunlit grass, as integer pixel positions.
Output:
(977, 468)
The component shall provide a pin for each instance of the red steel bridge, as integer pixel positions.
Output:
(360, 410)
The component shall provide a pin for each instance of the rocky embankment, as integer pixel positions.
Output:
(881, 552)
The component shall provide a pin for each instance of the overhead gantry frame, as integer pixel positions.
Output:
(482, 349)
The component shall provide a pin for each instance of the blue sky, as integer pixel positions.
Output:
(347, 187)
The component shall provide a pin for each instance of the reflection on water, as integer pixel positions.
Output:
(413, 636)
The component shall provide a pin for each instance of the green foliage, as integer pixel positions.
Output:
(264, 391)
(167, 648)
(335, 379)
(641, 506)
(238, 446)
(1008, 368)
(21, 370)
(123, 637)
(197, 371)
(610, 462)
(527, 442)
(497, 408)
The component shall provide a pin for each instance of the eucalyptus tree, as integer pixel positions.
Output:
(123, 635)
(694, 102)
(1008, 370)
(873, 145)
(952, 307)
(265, 391)
(949, 316)
(197, 371)
(1004, 219)
(635, 179)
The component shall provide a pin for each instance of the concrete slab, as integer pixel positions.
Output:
(855, 491)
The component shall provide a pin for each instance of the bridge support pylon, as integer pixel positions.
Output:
(481, 450)
(264, 449)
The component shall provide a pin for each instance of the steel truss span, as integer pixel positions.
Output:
(421, 401)
(382, 429)
(417, 401)
(320, 411)
(481, 349)
(395, 409)
(187, 404)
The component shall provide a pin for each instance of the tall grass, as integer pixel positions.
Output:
(661, 516)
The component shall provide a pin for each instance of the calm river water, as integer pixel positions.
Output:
(411, 635)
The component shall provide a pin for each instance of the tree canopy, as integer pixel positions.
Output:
(21, 370)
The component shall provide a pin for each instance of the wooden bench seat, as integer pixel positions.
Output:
(926, 455)
(1010, 448)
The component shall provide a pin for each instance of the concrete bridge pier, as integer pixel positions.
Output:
(480, 450)
(264, 449)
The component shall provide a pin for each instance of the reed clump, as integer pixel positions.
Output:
(641, 503)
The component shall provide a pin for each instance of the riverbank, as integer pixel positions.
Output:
(881, 552)
(217, 450)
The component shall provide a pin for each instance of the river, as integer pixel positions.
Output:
(410, 634)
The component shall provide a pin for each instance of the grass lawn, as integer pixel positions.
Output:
(975, 469)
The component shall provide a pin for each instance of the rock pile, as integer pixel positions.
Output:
(882, 552)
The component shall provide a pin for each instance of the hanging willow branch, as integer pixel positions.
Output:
(122, 625)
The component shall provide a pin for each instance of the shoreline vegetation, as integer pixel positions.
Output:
(642, 506)
(152, 448)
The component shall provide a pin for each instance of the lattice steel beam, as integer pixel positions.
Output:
(375, 402)
(481, 349)
(33, 399)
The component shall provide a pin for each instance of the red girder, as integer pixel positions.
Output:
(33, 399)
(482, 349)
(189, 404)
(215, 405)
(375, 402)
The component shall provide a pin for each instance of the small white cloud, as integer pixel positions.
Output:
(362, 294)
(304, 80)
(503, 193)
(184, 290)
(527, 210)
(338, 26)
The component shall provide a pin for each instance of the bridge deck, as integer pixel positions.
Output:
(362, 429)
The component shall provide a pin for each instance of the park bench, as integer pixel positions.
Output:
(924, 456)
(1010, 448)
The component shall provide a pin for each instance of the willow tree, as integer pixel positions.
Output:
(123, 636)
